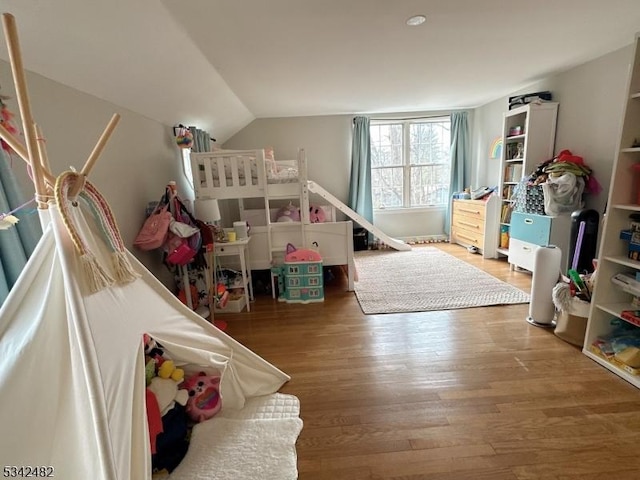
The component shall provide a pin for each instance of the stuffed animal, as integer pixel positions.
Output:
(204, 396)
(316, 214)
(167, 393)
(168, 370)
(154, 356)
(294, 254)
(290, 213)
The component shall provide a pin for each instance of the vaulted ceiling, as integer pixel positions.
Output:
(219, 64)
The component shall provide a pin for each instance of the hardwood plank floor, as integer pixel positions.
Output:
(461, 394)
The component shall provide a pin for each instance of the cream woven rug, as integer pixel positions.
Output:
(426, 279)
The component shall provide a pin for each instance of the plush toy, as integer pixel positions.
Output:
(149, 371)
(294, 254)
(290, 213)
(168, 370)
(204, 396)
(154, 356)
(167, 393)
(316, 214)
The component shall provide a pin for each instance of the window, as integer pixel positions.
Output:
(410, 162)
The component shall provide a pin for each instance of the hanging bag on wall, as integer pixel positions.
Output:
(178, 251)
(154, 230)
(185, 239)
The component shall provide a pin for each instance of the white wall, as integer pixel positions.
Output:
(486, 128)
(134, 167)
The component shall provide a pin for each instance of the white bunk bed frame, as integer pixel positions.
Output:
(241, 174)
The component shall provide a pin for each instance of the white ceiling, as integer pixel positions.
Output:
(219, 64)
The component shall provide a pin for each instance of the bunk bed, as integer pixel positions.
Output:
(244, 174)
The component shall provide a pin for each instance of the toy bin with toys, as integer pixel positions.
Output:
(300, 277)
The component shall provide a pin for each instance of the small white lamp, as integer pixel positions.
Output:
(208, 211)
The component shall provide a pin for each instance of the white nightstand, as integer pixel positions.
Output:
(239, 248)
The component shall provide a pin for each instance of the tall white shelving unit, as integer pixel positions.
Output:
(608, 300)
(537, 136)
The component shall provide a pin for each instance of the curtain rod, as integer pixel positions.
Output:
(401, 119)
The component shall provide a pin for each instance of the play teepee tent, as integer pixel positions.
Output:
(72, 386)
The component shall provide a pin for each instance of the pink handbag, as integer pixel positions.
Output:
(179, 252)
(154, 231)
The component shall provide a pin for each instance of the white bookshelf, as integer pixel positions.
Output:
(537, 135)
(609, 300)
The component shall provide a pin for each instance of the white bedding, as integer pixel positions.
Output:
(256, 442)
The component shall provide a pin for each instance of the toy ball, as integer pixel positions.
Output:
(316, 214)
(290, 213)
(204, 396)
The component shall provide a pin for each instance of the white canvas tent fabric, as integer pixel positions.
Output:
(72, 386)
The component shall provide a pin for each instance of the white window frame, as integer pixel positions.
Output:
(406, 162)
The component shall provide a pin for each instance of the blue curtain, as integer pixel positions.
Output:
(16, 243)
(201, 140)
(460, 159)
(360, 186)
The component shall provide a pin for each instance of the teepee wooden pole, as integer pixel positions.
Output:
(17, 68)
(14, 143)
(97, 150)
(42, 153)
(21, 151)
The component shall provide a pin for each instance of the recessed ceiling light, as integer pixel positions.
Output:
(416, 20)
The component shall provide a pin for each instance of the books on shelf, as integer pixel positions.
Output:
(513, 172)
(507, 192)
(505, 215)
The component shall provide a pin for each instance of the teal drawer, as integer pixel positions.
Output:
(531, 228)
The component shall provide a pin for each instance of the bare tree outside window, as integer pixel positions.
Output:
(410, 163)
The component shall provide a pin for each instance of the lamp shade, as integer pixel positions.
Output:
(207, 210)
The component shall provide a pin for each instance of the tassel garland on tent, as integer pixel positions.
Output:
(122, 268)
(96, 276)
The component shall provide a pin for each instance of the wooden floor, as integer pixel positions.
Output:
(462, 394)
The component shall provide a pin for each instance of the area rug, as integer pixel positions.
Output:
(426, 279)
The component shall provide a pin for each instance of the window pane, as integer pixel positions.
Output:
(429, 185)
(386, 145)
(386, 187)
(430, 142)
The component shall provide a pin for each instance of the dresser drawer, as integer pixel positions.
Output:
(468, 223)
(522, 253)
(470, 209)
(467, 237)
(531, 228)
